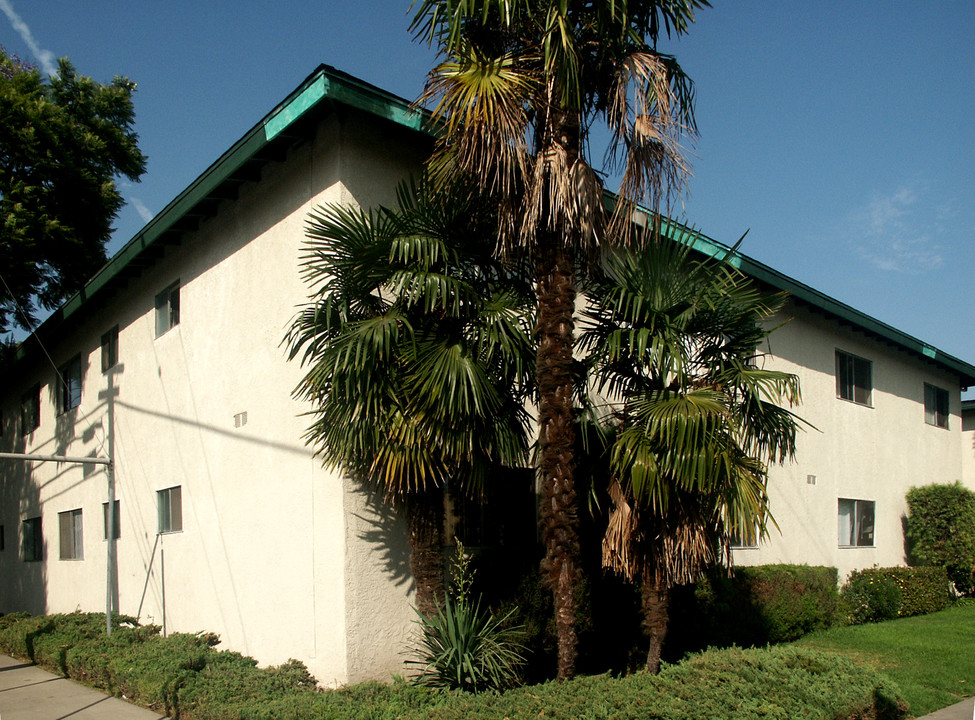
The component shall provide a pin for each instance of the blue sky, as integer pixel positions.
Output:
(839, 135)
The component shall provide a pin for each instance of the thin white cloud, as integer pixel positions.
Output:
(140, 207)
(894, 232)
(45, 58)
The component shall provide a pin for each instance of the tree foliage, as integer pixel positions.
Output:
(63, 142)
(941, 531)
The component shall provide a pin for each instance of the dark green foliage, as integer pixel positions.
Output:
(752, 606)
(63, 141)
(770, 683)
(877, 594)
(940, 530)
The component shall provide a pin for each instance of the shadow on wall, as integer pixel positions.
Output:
(385, 535)
(26, 535)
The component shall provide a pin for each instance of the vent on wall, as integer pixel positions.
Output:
(240, 419)
(810, 479)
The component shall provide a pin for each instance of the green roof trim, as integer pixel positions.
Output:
(320, 93)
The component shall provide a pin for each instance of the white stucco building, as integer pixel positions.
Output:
(228, 524)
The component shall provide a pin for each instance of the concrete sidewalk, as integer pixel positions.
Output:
(29, 693)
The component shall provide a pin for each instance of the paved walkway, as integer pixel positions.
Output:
(29, 693)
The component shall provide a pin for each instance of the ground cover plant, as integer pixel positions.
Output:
(186, 677)
(928, 657)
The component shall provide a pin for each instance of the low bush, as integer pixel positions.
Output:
(877, 594)
(752, 606)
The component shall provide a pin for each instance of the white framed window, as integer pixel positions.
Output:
(935, 406)
(72, 535)
(856, 522)
(116, 519)
(110, 349)
(31, 540)
(747, 540)
(30, 410)
(167, 309)
(69, 384)
(170, 504)
(854, 380)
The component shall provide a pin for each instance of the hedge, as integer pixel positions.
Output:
(877, 594)
(187, 678)
(753, 606)
(940, 531)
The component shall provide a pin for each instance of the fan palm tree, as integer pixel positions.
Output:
(418, 349)
(519, 89)
(675, 345)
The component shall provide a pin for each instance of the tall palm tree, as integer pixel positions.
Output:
(675, 342)
(419, 354)
(520, 87)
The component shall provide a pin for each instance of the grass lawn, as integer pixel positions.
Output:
(931, 658)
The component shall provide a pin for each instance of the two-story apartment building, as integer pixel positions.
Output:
(171, 360)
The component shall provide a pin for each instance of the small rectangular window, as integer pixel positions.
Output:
(2, 541)
(72, 537)
(30, 410)
(856, 522)
(746, 540)
(110, 349)
(116, 519)
(167, 309)
(31, 540)
(170, 509)
(69, 384)
(853, 378)
(935, 406)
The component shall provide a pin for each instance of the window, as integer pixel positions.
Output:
(116, 519)
(72, 538)
(853, 380)
(856, 522)
(30, 410)
(2, 545)
(110, 349)
(32, 542)
(935, 406)
(69, 384)
(170, 509)
(167, 309)
(747, 540)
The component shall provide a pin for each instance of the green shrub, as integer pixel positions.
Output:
(876, 594)
(778, 682)
(753, 606)
(940, 530)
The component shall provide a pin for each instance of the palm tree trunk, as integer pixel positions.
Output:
(558, 505)
(424, 516)
(656, 598)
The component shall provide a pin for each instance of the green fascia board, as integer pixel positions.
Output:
(968, 406)
(331, 86)
(324, 85)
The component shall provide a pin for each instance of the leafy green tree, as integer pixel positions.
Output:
(520, 87)
(419, 356)
(941, 531)
(63, 142)
(675, 344)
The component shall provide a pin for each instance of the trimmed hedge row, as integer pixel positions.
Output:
(185, 677)
(877, 594)
(754, 606)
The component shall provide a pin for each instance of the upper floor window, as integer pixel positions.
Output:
(31, 540)
(72, 535)
(110, 349)
(30, 410)
(853, 378)
(69, 384)
(167, 309)
(856, 521)
(170, 503)
(935, 406)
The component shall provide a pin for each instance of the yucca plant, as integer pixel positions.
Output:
(464, 646)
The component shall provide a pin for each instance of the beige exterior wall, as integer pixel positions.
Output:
(968, 447)
(279, 557)
(860, 452)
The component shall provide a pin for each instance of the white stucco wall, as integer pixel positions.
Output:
(268, 556)
(858, 452)
(968, 448)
